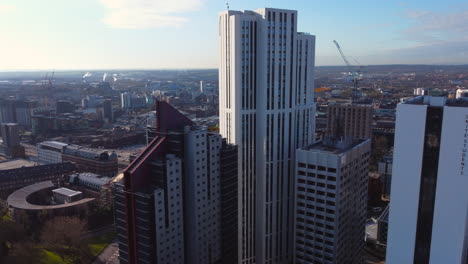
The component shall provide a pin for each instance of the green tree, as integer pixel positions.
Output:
(62, 235)
(16, 245)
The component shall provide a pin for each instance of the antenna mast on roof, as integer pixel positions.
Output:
(227, 5)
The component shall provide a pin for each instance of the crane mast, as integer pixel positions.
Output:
(355, 75)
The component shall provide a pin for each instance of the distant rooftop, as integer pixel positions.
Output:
(335, 146)
(91, 178)
(14, 164)
(67, 192)
(437, 101)
(54, 144)
(10, 124)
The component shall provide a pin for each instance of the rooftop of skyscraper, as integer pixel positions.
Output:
(438, 101)
(336, 145)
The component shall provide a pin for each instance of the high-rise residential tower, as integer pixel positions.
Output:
(349, 120)
(126, 100)
(171, 204)
(7, 111)
(428, 221)
(24, 110)
(331, 201)
(266, 96)
(10, 144)
(108, 111)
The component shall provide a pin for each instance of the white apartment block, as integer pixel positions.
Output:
(266, 78)
(428, 221)
(49, 152)
(126, 100)
(169, 215)
(202, 195)
(331, 201)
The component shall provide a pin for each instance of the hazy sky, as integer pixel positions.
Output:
(110, 34)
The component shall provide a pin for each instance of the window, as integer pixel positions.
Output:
(331, 178)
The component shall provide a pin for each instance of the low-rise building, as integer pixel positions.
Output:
(86, 159)
(65, 195)
(21, 174)
(95, 185)
(90, 160)
(49, 152)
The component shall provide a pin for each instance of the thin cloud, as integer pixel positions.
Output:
(6, 8)
(429, 26)
(449, 52)
(143, 14)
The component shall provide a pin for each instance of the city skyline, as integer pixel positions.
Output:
(103, 34)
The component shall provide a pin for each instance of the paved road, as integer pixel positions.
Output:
(109, 255)
(98, 231)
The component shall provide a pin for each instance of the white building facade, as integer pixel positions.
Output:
(331, 202)
(202, 195)
(49, 152)
(428, 220)
(169, 215)
(266, 79)
(126, 100)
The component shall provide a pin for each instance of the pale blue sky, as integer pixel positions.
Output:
(123, 34)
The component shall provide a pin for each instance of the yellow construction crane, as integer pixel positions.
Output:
(322, 89)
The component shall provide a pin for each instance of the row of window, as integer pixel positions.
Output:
(315, 167)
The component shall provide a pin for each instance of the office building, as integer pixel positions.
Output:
(382, 227)
(461, 93)
(331, 201)
(266, 101)
(10, 134)
(64, 195)
(43, 125)
(10, 145)
(385, 169)
(91, 160)
(49, 152)
(126, 100)
(7, 111)
(19, 173)
(92, 101)
(421, 91)
(63, 106)
(86, 159)
(138, 101)
(176, 184)
(428, 221)
(349, 120)
(24, 112)
(108, 111)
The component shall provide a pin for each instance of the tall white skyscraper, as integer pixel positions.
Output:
(267, 108)
(126, 100)
(428, 221)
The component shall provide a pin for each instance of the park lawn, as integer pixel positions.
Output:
(96, 245)
(51, 258)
